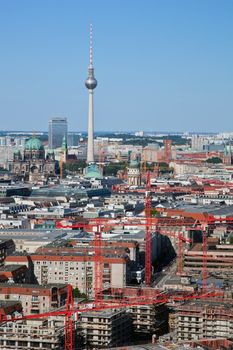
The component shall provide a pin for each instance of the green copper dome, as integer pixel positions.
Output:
(92, 172)
(33, 144)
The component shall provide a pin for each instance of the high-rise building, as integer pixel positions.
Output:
(198, 142)
(57, 131)
(91, 84)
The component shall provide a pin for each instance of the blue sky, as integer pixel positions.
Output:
(160, 64)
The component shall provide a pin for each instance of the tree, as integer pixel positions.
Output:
(214, 160)
(78, 294)
(73, 167)
(113, 168)
(154, 212)
(164, 168)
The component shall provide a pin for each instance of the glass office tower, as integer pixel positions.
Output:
(57, 130)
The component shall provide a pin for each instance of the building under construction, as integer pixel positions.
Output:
(202, 319)
(219, 257)
(105, 328)
(150, 319)
(31, 334)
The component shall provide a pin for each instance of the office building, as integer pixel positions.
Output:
(57, 131)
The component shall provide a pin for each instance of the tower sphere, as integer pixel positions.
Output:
(91, 83)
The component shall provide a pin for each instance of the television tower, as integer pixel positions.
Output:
(91, 84)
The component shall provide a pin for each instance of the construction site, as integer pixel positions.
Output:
(156, 279)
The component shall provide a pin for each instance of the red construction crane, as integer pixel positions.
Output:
(70, 311)
(98, 225)
(149, 224)
(98, 263)
(69, 329)
(204, 260)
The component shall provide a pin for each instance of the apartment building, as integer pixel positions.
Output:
(105, 328)
(35, 299)
(201, 319)
(77, 269)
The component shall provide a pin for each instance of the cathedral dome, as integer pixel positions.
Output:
(92, 172)
(34, 144)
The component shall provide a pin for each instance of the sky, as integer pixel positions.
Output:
(160, 64)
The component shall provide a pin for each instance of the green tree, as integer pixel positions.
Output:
(78, 294)
(214, 160)
(73, 167)
(154, 212)
(164, 168)
(113, 168)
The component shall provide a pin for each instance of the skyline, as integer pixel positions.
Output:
(182, 49)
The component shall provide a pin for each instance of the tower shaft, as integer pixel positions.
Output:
(90, 140)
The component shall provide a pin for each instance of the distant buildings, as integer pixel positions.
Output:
(57, 130)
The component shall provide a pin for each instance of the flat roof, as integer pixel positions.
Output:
(207, 303)
(33, 235)
(103, 313)
(32, 286)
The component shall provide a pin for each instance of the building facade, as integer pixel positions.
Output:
(34, 298)
(31, 164)
(77, 270)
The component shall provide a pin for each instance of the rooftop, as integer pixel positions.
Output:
(103, 313)
(32, 286)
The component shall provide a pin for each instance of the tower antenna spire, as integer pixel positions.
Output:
(91, 44)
